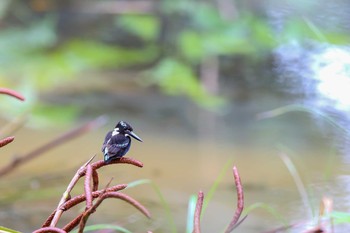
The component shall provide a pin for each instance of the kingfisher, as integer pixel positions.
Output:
(117, 142)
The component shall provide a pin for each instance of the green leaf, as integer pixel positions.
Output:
(164, 203)
(191, 45)
(45, 115)
(340, 217)
(97, 227)
(216, 183)
(267, 208)
(37, 35)
(190, 213)
(175, 77)
(144, 26)
(7, 230)
(207, 18)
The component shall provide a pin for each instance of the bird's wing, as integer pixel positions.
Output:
(107, 138)
(117, 143)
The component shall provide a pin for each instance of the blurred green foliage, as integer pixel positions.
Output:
(175, 77)
(171, 45)
(145, 26)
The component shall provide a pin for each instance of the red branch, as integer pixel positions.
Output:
(49, 230)
(87, 186)
(6, 141)
(12, 93)
(128, 199)
(70, 226)
(197, 213)
(54, 143)
(78, 199)
(240, 201)
(91, 209)
(66, 195)
(80, 173)
(126, 160)
(108, 194)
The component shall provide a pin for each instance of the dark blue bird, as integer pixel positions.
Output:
(117, 142)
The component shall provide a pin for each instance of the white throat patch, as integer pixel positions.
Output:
(115, 131)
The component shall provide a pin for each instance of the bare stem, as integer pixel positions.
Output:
(127, 160)
(130, 200)
(6, 141)
(70, 226)
(54, 143)
(12, 93)
(92, 208)
(95, 180)
(79, 199)
(49, 230)
(81, 172)
(87, 186)
(66, 194)
(197, 213)
(240, 201)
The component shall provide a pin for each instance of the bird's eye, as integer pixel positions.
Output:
(122, 123)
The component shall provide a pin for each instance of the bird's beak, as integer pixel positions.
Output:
(132, 134)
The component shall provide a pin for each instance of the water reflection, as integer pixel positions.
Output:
(319, 73)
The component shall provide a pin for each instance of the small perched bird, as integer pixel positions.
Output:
(117, 142)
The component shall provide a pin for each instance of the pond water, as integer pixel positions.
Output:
(186, 148)
(185, 153)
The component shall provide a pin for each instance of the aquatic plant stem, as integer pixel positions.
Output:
(299, 183)
(81, 198)
(214, 187)
(95, 180)
(197, 213)
(91, 208)
(240, 201)
(49, 230)
(164, 203)
(82, 218)
(5, 141)
(61, 207)
(66, 194)
(17, 161)
(87, 186)
(12, 93)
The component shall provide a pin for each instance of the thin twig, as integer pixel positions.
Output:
(54, 143)
(92, 208)
(240, 201)
(49, 230)
(81, 198)
(197, 213)
(6, 141)
(87, 186)
(128, 199)
(72, 224)
(81, 172)
(108, 194)
(78, 199)
(127, 160)
(66, 194)
(12, 93)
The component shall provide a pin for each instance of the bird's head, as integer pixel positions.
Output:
(124, 128)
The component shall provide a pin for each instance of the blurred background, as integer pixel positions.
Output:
(203, 83)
